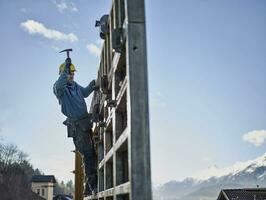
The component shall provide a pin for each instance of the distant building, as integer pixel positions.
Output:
(35, 196)
(243, 194)
(43, 185)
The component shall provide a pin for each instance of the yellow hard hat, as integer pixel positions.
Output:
(62, 67)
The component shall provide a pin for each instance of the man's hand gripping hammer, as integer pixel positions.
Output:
(68, 59)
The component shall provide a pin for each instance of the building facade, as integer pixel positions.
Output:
(43, 185)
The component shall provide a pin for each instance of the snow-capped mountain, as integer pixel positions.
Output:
(207, 184)
(248, 166)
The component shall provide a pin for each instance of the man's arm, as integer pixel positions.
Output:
(61, 83)
(89, 89)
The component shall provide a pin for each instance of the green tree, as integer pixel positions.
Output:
(70, 186)
(15, 173)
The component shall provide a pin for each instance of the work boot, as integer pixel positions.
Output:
(87, 190)
(94, 189)
(93, 183)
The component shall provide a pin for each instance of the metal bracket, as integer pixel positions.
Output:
(104, 84)
(111, 103)
(102, 124)
(117, 40)
(103, 24)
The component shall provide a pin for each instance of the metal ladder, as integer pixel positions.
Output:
(122, 141)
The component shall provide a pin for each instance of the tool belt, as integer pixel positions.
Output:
(83, 124)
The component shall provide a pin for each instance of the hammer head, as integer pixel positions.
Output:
(66, 50)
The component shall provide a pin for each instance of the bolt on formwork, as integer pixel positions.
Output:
(122, 131)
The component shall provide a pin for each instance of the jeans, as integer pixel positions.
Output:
(84, 144)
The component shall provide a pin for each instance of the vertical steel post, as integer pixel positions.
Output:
(138, 101)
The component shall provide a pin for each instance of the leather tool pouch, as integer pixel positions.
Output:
(71, 129)
(84, 124)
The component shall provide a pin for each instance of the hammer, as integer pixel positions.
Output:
(66, 50)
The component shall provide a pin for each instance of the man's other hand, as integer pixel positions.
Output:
(93, 85)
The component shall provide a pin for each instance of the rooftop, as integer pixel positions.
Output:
(243, 194)
(43, 179)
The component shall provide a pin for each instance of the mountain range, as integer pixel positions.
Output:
(248, 174)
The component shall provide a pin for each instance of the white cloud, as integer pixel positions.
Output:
(23, 10)
(73, 7)
(33, 27)
(94, 49)
(65, 6)
(55, 48)
(61, 6)
(256, 137)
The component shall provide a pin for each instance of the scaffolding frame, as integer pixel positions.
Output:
(122, 134)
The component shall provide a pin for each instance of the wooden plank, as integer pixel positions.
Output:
(118, 190)
(121, 139)
(121, 91)
(79, 176)
(123, 188)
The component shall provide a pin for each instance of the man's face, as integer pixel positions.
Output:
(70, 78)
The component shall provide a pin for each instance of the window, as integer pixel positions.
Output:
(38, 191)
(42, 192)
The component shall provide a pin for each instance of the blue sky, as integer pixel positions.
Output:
(207, 67)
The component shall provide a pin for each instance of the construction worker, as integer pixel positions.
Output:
(79, 122)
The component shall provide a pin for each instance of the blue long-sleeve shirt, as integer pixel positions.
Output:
(71, 97)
